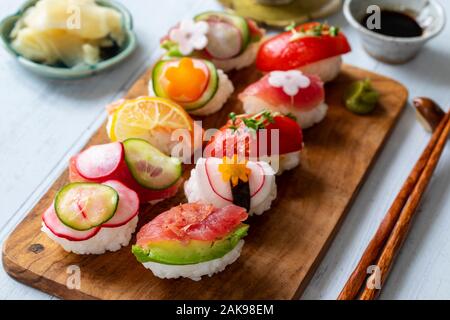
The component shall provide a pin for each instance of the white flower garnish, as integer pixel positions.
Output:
(190, 36)
(291, 81)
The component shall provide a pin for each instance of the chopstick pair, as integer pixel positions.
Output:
(391, 233)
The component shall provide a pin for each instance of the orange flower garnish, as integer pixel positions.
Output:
(186, 82)
(234, 170)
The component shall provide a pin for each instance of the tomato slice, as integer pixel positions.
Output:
(291, 135)
(224, 142)
(280, 53)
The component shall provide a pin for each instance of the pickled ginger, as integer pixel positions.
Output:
(67, 32)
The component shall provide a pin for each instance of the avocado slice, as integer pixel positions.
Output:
(195, 251)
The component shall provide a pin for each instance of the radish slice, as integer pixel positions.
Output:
(224, 40)
(100, 161)
(261, 183)
(220, 187)
(52, 222)
(148, 195)
(257, 178)
(127, 208)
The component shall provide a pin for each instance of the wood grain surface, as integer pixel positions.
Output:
(283, 246)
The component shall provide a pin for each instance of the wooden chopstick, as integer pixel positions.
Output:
(357, 279)
(403, 224)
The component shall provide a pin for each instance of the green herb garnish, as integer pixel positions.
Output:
(268, 116)
(255, 122)
(291, 27)
(258, 121)
(334, 31)
(317, 30)
(172, 48)
(232, 117)
(292, 116)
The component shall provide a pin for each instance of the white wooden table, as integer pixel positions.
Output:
(43, 122)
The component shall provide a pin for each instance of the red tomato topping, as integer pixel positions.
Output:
(283, 53)
(228, 142)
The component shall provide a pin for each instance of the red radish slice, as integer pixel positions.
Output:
(224, 40)
(257, 178)
(128, 206)
(148, 195)
(223, 189)
(220, 187)
(74, 175)
(123, 175)
(101, 161)
(52, 222)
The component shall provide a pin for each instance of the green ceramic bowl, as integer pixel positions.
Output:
(7, 24)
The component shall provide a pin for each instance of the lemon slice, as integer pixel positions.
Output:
(147, 117)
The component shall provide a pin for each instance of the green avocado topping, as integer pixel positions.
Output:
(195, 251)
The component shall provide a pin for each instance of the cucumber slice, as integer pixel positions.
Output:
(150, 167)
(83, 206)
(237, 21)
(159, 81)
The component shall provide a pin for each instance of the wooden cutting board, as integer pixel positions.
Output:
(284, 246)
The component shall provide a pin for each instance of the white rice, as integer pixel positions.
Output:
(195, 271)
(107, 239)
(216, 103)
(243, 60)
(326, 69)
(284, 162)
(265, 205)
(305, 119)
(196, 191)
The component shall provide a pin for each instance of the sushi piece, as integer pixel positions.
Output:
(226, 181)
(289, 92)
(191, 240)
(91, 218)
(227, 40)
(161, 122)
(135, 163)
(195, 84)
(265, 136)
(312, 48)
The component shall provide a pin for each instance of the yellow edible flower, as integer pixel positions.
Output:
(234, 170)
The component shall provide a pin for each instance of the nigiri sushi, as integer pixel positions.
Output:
(312, 48)
(265, 136)
(191, 240)
(91, 218)
(161, 122)
(226, 181)
(229, 41)
(195, 84)
(135, 163)
(290, 92)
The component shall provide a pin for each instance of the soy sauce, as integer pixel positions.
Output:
(395, 24)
